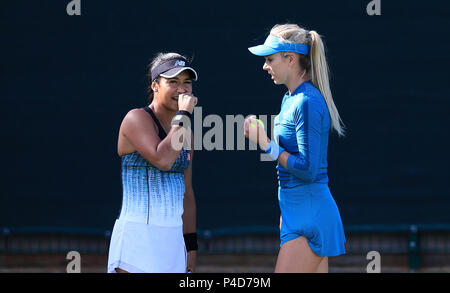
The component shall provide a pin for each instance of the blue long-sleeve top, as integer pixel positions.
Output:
(302, 128)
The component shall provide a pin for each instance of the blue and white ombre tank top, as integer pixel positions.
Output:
(150, 195)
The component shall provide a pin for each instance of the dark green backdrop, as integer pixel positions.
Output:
(67, 82)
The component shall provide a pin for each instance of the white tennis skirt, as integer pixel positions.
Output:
(146, 248)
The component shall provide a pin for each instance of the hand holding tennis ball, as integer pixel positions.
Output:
(252, 125)
(254, 130)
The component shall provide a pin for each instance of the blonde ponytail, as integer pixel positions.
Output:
(319, 77)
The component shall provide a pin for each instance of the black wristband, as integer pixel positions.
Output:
(190, 240)
(184, 112)
(180, 117)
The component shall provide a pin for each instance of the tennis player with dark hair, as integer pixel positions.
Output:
(156, 228)
(311, 229)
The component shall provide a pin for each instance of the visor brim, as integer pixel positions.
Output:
(177, 70)
(262, 50)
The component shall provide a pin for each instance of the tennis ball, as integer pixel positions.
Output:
(260, 123)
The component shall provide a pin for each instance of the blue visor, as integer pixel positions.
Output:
(274, 45)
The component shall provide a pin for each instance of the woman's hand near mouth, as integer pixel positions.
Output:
(187, 102)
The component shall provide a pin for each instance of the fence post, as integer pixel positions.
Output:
(413, 248)
(207, 238)
(6, 232)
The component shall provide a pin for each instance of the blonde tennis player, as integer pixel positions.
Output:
(311, 229)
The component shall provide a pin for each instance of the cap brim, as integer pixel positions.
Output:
(262, 50)
(177, 70)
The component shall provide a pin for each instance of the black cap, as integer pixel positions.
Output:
(172, 68)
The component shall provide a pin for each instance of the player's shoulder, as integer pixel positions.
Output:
(311, 90)
(310, 96)
(136, 113)
(137, 116)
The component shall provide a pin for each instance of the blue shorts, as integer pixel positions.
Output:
(311, 211)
